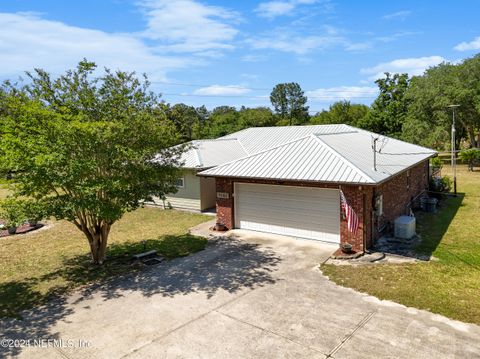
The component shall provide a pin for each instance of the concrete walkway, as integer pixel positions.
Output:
(247, 296)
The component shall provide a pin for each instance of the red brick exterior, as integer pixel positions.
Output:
(397, 194)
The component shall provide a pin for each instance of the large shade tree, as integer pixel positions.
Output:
(86, 146)
(429, 117)
(289, 102)
(341, 112)
(389, 110)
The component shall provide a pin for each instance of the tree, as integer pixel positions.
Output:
(187, 121)
(341, 112)
(289, 101)
(255, 117)
(87, 147)
(429, 118)
(222, 121)
(389, 110)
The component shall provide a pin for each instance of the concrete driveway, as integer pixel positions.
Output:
(247, 296)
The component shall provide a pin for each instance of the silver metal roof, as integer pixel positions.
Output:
(256, 139)
(329, 153)
(210, 153)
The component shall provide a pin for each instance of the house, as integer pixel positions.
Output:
(290, 180)
(198, 193)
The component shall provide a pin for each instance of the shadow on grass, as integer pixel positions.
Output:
(430, 227)
(228, 264)
(433, 226)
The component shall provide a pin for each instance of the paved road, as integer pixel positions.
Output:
(251, 296)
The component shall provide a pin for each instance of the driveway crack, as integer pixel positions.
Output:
(186, 323)
(350, 335)
(269, 331)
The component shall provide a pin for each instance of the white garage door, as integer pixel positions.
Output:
(304, 212)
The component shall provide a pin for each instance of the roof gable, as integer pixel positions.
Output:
(305, 159)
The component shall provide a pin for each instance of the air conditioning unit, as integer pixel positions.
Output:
(405, 227)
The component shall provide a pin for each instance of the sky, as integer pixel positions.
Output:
(233, 53)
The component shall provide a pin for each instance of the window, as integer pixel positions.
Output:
(379, 205)
(180, 182)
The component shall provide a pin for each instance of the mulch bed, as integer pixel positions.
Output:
(339, 254)
(25, 228)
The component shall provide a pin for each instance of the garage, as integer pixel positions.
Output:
(304, 212)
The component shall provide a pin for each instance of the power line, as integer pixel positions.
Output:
(187, 84)
(253, 96)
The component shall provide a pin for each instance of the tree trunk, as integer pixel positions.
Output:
(97, 236)
(471, 136)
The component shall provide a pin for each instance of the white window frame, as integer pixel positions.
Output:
(183, 182)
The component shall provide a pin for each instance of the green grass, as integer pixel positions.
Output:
(450, 285)
(4, 191)
(55, 260)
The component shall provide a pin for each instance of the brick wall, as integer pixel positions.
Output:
(398, 193)
(357, 197)
(225, 205)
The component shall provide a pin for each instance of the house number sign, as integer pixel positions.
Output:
(224, 195)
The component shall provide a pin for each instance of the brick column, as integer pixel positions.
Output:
(356, 196)
(225, 205)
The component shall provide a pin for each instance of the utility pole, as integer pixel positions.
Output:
(454, 155)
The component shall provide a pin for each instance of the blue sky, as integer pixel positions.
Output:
(233, 52)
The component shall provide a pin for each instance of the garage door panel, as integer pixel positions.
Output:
(289, 210)
(304, 214)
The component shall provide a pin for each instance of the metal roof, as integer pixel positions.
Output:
(257, 139)
(325, 153)
(210, 153)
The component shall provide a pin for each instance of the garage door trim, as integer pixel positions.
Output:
(283, 222)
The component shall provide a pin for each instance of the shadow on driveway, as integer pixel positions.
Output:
(226, 264)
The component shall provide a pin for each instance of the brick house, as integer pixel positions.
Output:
(290, 181)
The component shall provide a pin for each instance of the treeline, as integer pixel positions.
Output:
(414, 109)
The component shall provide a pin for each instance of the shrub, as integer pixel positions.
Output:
(441, 184)
(13, 212)
(436, 163)
(470, 157)
(34, 211)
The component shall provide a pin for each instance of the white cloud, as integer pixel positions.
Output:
(219, 90)
(400, 15)
(28, 41)
(395, 36)
(413, 66)
(342, 93)
(297, 44)
(254, 58)
(189, 26)
(466, 46)
(359, 46)
(272, 9)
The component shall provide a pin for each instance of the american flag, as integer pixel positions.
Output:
(352, 218)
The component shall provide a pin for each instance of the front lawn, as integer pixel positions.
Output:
(54, 260)
(450, 285)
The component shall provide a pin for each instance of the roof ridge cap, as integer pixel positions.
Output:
(242, 146)
(197, 155)
(343, 159)
(261, 152)
(396, 139)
